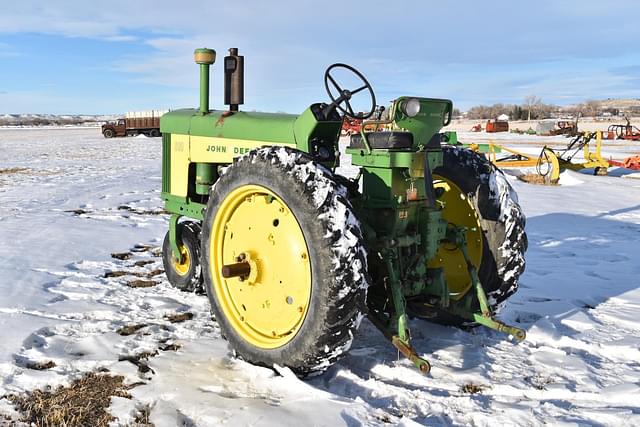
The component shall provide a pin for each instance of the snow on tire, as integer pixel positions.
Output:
(337, 256)
(500, 216)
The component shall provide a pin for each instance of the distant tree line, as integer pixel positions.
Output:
(534, 109)
(43, 121)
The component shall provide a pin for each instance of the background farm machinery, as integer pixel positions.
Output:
(134, 123)
(626, 131)
(550, 162)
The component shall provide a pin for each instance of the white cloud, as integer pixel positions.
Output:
(121, 38)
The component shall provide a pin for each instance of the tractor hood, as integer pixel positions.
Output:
(268, 127)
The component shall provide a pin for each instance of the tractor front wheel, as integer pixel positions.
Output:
(185, 275)
(477, 195)
(284, 261)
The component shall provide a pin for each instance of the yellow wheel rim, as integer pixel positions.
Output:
(182, 268)
(268, 307)
(458, 211)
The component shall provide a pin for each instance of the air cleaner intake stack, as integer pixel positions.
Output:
(233, 79)
(205, 57)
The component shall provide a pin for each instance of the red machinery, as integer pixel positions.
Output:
(628, 163)
(497, 126)
(351, 125)
(627, 131)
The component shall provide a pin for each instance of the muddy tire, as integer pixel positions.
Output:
(500, 217)
(186, 276)
(329, 240)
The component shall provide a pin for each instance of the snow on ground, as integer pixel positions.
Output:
(63, 298)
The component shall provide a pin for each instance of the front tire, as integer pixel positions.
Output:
(501, 220)
(186, 276)
(108, 133)
(303, 300)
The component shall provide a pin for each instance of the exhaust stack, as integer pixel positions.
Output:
(205, 57)
(233, 79)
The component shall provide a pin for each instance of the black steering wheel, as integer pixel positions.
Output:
(345, 95)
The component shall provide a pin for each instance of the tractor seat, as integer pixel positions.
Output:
(390, 140)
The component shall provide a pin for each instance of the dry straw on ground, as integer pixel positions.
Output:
(534, 178)
(8, 171)
(83, 403)
(179, 317)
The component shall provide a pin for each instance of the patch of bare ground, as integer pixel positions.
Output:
(84, 402)
(142, 263)
(120, 273)
(169, 347)
(78, 211)
(41, 366)
(9, 171)
(36, 172)
(534, 178)
(140, 211)
(130, 329)
(472, 388)
(384, 418)
(141, 283)
(121, 255)
(139, 247)
(155, 251)
(540, 382)
(179, 317)
(140, 360)
(155, 272)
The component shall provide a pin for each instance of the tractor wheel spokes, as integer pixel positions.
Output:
(336, 85)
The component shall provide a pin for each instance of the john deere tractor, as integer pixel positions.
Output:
(293, 255)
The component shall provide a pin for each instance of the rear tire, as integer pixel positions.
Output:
(331, 233)
(154, 133)
(501, 219)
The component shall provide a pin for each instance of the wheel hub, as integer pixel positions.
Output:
(260, 266)
(182, 268)
(458, 211)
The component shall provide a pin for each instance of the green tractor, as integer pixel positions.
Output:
(292, 255)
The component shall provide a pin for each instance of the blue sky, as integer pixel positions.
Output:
(67, 57)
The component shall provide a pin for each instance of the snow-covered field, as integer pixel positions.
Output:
(73, 198)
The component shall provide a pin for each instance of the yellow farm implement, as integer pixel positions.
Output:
(550, 162)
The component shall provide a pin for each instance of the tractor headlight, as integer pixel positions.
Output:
(410, 107)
